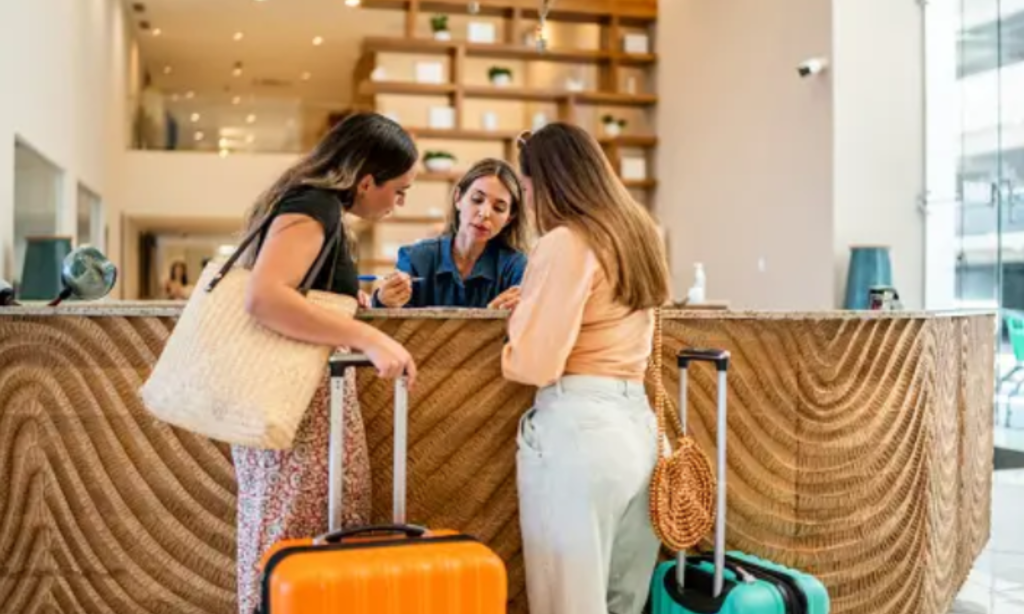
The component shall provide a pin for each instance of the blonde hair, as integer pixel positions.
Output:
(516, 234)
(575, 186)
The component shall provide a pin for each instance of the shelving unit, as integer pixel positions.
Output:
(603, 63)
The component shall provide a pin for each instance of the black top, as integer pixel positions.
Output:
(325, 207)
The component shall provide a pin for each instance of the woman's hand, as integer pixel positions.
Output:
(364, 300)
(391, 359)
(396, 291)
(506, 300)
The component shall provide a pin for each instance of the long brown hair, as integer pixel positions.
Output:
(361, 144)
(516, 234)
(575, 186)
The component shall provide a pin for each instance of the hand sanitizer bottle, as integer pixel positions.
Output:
(696, 294)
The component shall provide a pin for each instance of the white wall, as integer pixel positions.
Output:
(62, 70)
(195, 185)
(745, 150)
(757, 165)
(878, 126)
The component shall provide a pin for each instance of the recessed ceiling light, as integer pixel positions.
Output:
(168, 70)
(251, 119)
(190, 94)
(199, 136)
(195, 117)
(239, 36)
(157, 32)
(236, 100)
(352, 2)
(318, 40)
(306, 76)
(223, 143)
(237, 71)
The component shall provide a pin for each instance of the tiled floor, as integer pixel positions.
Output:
(996, 585)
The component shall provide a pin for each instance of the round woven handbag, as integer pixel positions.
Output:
(682, 491)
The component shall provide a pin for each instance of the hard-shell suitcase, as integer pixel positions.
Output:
(734, 582)
(384, 569)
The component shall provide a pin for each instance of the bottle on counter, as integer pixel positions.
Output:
(696, 294)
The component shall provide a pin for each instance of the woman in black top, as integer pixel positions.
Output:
(363, 166)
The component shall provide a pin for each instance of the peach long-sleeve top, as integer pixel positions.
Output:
(567, 321)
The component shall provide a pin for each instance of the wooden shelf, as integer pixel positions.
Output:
(380, 44)
(640, 184)
(451, 177)
(412, 220)
(610, 99)
(639, 12)
(463, 135)
(629, 140)
(370, 88)
(514, 93)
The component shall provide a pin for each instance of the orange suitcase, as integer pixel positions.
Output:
(384, 569)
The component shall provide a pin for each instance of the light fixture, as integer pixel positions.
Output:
(194, 118)
(168, 70)
(157, 31)
(236, 100)
(353, 2)
(224, 153)
(190, 95)
(251, 119)
(237, 70)
(306, 76)
(239, 36)
(223, 143)
(199, 135)
(317, 41)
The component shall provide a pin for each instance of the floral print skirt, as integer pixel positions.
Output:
(282, 494)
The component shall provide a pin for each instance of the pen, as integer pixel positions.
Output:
(380, 278)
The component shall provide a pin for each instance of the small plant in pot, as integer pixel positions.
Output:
(500, 76)
(613, 127)
(439, 25)
(438, 161)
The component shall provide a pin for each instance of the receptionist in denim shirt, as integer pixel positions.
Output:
(480, 258)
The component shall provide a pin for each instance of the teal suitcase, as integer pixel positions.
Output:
(734, 582)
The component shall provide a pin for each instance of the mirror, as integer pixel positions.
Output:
(87, 275)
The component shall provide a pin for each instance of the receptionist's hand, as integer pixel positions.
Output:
(396, 291)
(506, 300)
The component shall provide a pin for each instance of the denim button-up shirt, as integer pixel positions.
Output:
(498, 269)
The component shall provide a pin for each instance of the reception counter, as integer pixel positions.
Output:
(860, 450)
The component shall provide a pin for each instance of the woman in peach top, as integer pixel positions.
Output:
(582, 334)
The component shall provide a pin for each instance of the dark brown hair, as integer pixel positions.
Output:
(575, 186)
(362, 144)
(516, 234)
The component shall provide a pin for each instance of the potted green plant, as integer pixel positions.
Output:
(439, 26)
(500, 76)
(613, 127)
(438, 161)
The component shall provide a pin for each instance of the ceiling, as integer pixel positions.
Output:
(189, 49)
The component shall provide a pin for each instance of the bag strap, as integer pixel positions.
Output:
(660, 398)
(311, 275)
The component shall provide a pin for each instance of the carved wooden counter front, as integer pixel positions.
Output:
(860, 450)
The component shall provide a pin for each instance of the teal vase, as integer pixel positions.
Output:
(870, 265)
(41, 274)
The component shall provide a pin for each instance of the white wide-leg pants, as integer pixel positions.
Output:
(586, 453)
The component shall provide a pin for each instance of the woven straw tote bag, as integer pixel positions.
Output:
(682, 490)
(225, 376)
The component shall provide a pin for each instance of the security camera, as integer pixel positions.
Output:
(812, 66)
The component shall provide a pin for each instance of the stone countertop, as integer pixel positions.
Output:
(170, 309)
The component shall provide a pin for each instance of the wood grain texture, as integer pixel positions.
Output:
(860, 450)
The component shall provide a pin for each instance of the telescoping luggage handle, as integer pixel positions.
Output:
(720, 358)
(340, 364)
